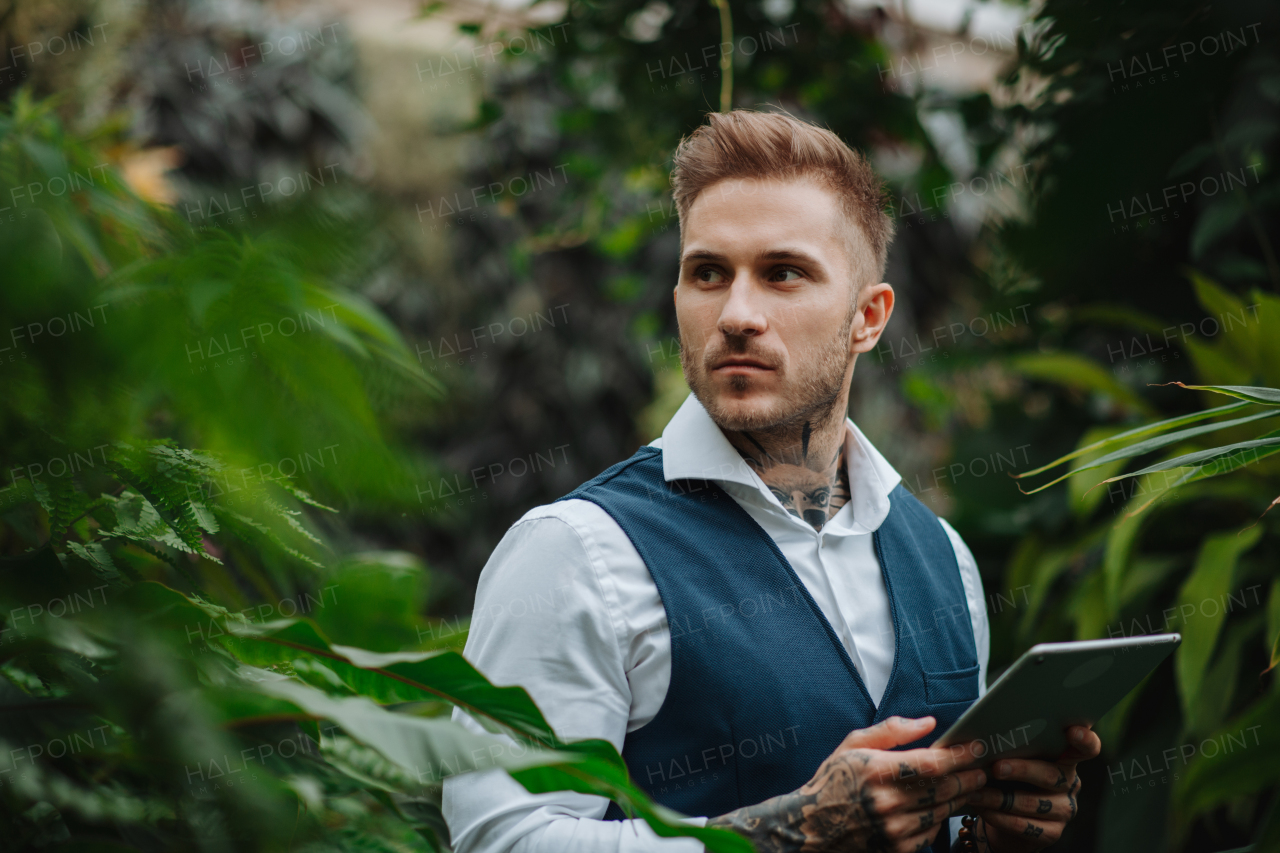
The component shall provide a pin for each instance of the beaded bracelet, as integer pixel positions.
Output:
(966, 840)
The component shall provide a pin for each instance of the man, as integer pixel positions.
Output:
(752, 608)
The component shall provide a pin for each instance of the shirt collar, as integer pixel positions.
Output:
(693, 447)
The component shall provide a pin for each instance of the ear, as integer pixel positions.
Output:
(875, 306)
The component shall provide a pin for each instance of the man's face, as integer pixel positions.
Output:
(765, 303)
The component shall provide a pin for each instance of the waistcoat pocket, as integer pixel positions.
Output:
(951, 687)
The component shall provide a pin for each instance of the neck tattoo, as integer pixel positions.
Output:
(796, 474)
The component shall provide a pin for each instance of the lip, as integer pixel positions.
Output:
(745, 364)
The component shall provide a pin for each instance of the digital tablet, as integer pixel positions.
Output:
(1053, 686)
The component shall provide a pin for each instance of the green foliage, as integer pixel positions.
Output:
(1215, 696)
(324, 412)
(168, 681)
(1139, 293)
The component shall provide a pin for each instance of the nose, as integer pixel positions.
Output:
(742, 313)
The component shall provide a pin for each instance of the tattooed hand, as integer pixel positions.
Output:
(866, 797)
(1017, 821)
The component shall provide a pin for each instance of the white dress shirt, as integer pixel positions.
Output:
(567, 609)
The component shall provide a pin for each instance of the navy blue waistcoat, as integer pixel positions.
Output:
(762, 690)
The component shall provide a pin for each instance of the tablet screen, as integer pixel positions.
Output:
(1054, 686)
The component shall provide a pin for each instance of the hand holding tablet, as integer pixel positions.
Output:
(1019, 732)
(1054, 686)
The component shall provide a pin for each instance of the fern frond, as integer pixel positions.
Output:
(290, 517)
(165, 477)
(97, 557)
(67, 502)
(303, 497)
(240, 519)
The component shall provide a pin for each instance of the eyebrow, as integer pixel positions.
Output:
(701, 255)
(790, 254)
(780, 254)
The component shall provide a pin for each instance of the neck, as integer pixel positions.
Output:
(803, 464)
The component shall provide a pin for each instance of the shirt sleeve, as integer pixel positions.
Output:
(541, 621)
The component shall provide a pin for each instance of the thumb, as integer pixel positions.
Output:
(894, 731)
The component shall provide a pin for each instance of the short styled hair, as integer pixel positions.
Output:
(749, 144)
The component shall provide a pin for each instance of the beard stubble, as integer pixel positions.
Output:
(811, 397)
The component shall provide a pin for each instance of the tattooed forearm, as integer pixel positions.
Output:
(774, 826)
(834, 811)
(860, 800)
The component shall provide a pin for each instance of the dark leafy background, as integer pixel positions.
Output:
(159, 529)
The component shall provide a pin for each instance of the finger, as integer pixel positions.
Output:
(915, 843)
(1042, 806)
(1041, 833)
(886, 734)
(937, 791)
(909, 823)
(940, 760)
(1042, 774)
(928, 791)
(1082, 744)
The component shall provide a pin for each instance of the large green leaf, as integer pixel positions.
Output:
(1172, 438)
(1145, 575)
(664, 821)
(1151, 444)
(1081, 495)
(389, 677)
(1137, 432)
(1252, 393)
(1199, 457)
(397, 676)
(592, 766)
(1149, 491)
(1220, 465)
(1201, 600)
(1239, 325)
(1087, 605)
(1239, 759)
(1034, 570)
(429, 749)
(1268, 344)
(1213, 702)
(447, 675)
(1116, 558)
(1076, 371)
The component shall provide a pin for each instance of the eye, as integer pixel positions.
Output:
(788, 274)
(711, 275)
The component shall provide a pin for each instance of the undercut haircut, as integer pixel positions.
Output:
(749, 144)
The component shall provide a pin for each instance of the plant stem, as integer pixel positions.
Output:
(726, 59)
